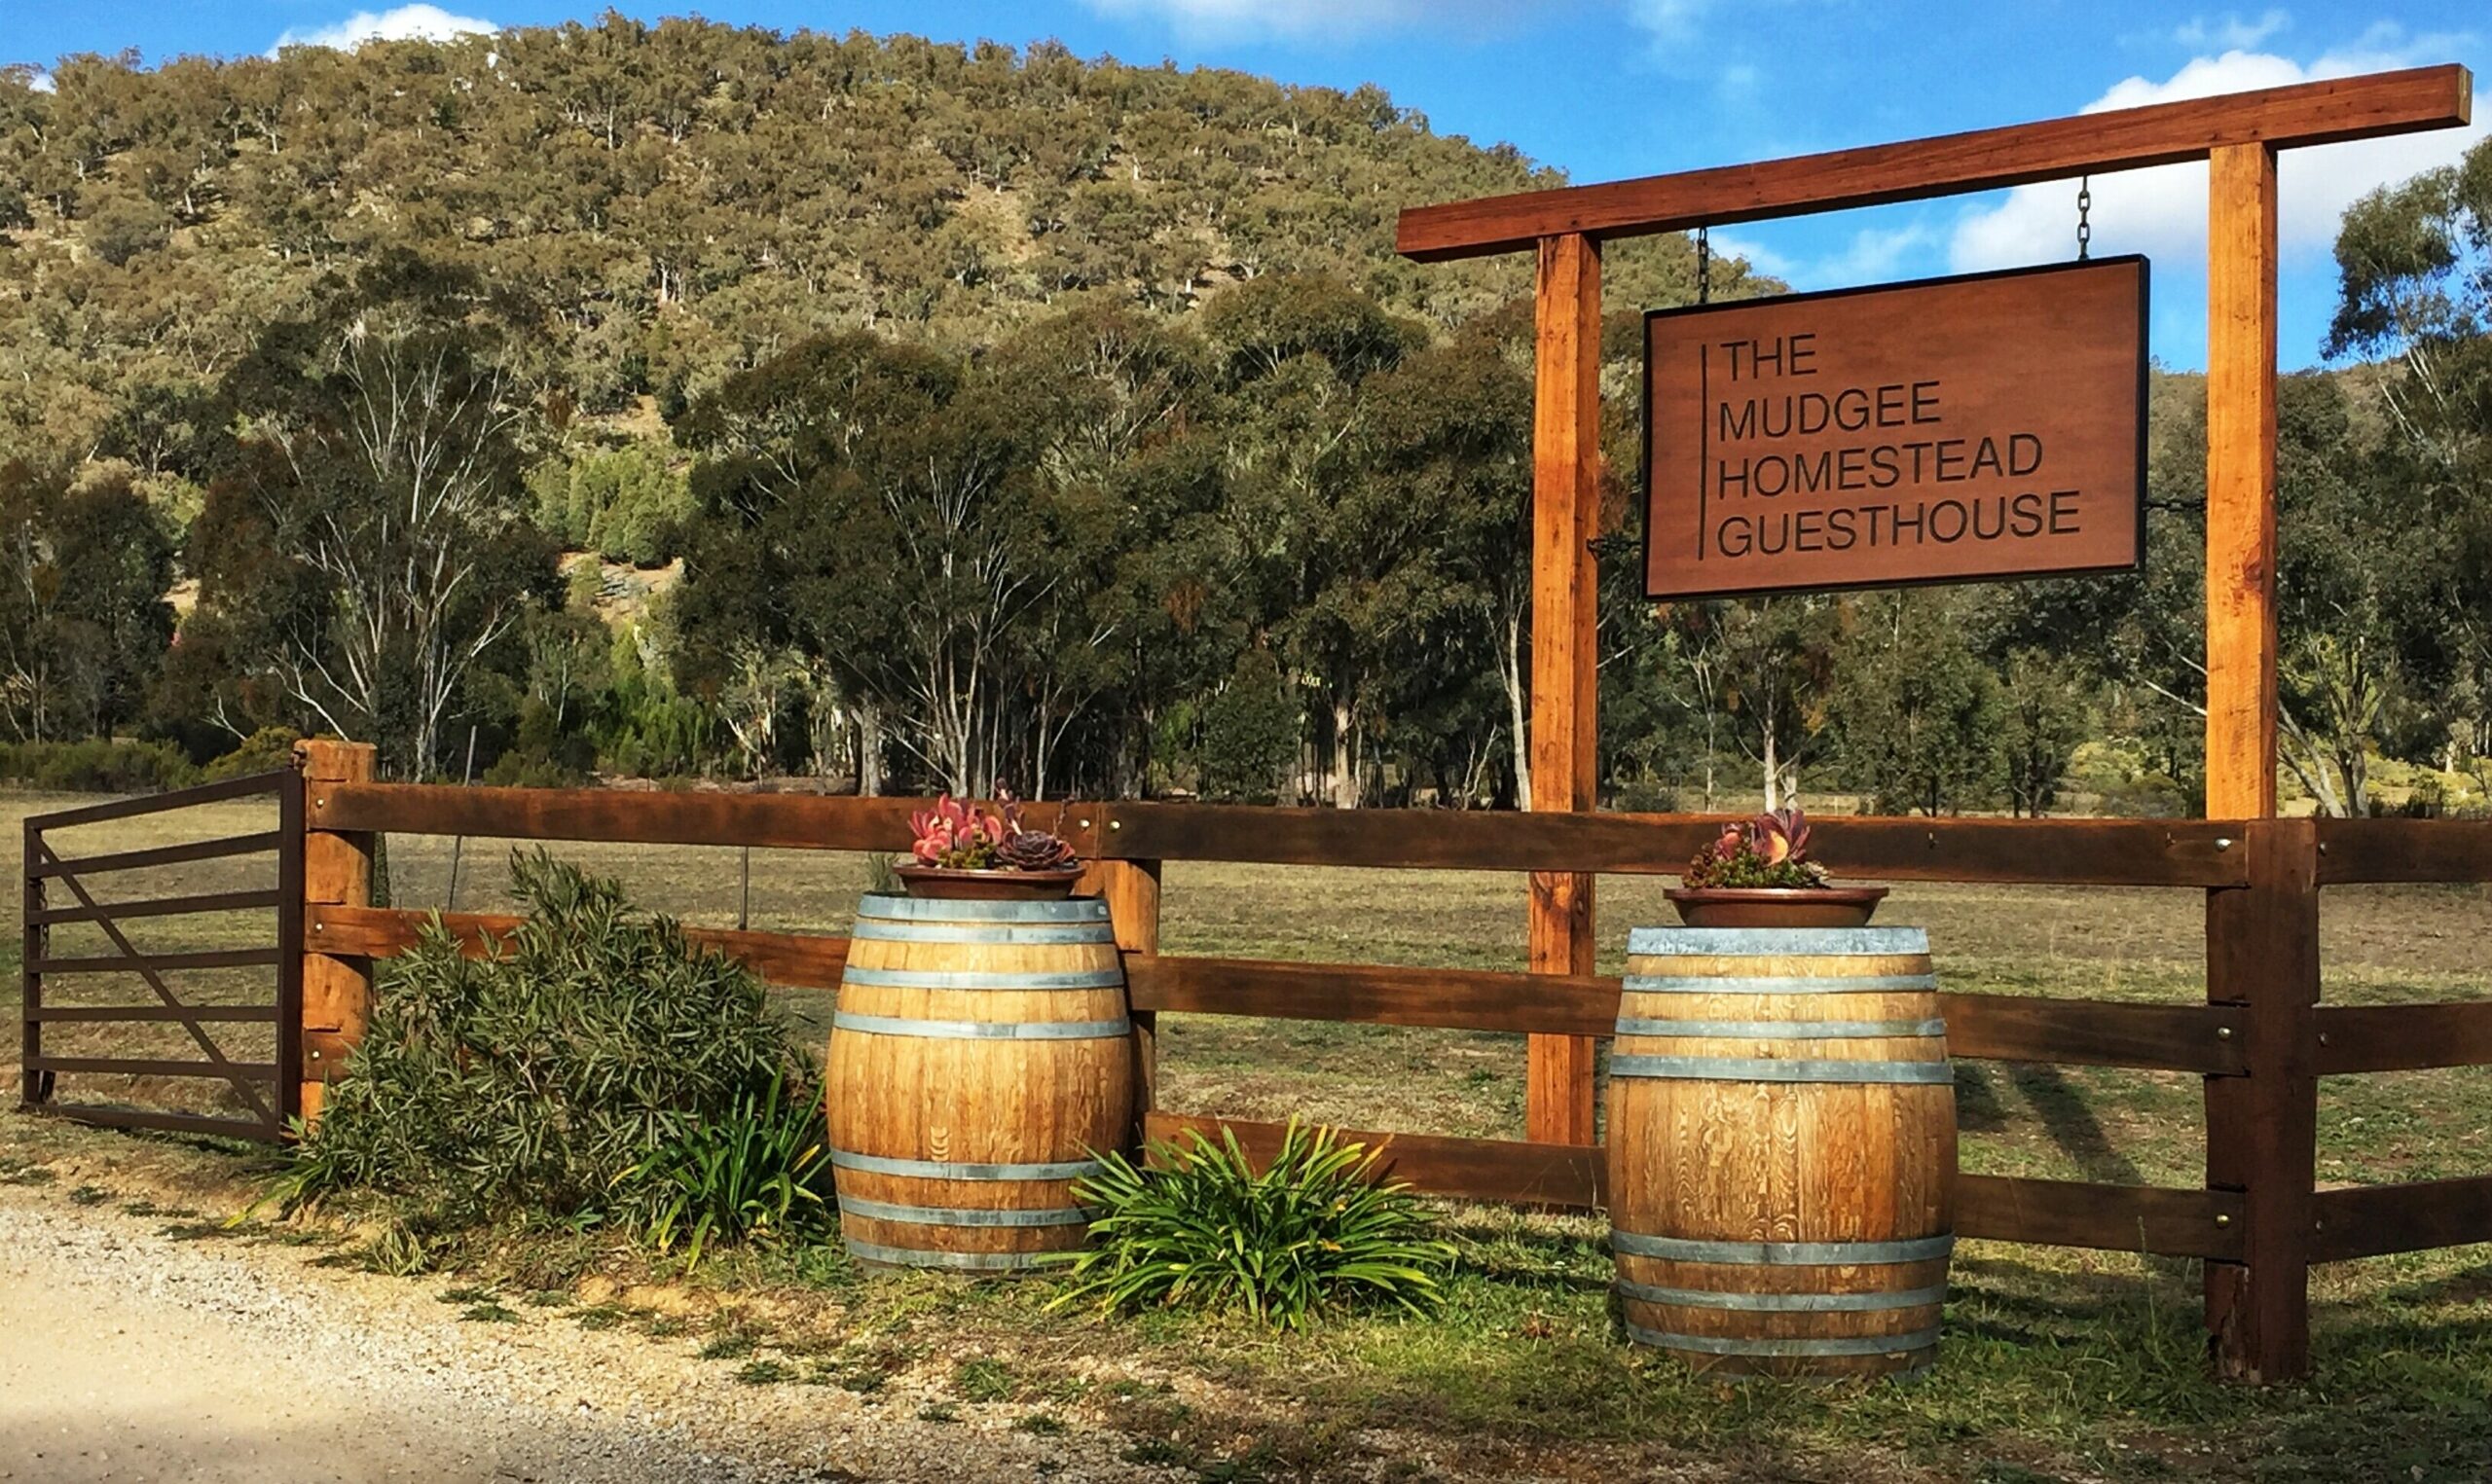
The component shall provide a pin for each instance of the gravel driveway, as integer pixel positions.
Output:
(129, 1355)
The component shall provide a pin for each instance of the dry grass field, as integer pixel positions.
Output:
(2062, 1366)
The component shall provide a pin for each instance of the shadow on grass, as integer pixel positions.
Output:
(2067, 1121)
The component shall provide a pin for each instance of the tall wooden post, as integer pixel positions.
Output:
(1565, 714)
(2241, 483)
(337, 871)
(1131, 891)
(2262, 940)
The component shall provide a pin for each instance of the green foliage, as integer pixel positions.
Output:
(371, 581)
(526, 1083)
(1197, 1226)
(1250, 733)
(85, 565)
(96, 764)
(644, 727)
(760, 1170)
(126, 227)
(2042, 715)
(263, 751)
(622, 503)
(1919, 708)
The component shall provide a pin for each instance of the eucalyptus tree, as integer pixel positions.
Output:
(367, 545)
(2414, 264)
(84, 624)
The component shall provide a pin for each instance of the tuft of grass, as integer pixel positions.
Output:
(985, 1379)
(89, 1195)
(464, 1294)
(197, 1231)
(764, 1373)
(1040, 1425)
(489, 1313)
(599, 1316)
(733, 1344)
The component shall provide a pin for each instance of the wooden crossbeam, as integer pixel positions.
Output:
(2328, 112)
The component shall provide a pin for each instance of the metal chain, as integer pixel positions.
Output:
(2084, 228)
(1704, 265)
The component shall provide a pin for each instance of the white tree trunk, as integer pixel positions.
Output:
(869, 750)
(1345, 758)
(1518, 709)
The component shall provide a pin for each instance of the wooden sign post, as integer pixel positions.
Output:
(2240, 134)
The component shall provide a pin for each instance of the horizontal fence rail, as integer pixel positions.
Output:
(2188, 1038)
(2380, 851)
(2377, 1220)
(767, 822)
(2356, 1038)
(2199, 1038)
(2142, 852)
(2129, 1218)
(2138, 852)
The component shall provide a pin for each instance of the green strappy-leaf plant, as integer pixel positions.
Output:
(1197, 1225)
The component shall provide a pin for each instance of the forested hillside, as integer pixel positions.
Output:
(684, 401)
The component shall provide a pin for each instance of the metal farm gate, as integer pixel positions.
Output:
(245, 1021)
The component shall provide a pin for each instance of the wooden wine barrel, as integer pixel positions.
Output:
(977, 1058)
(1782, 1148)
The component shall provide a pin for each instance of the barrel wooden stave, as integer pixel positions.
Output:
(918, 1086)
(1735, 1159)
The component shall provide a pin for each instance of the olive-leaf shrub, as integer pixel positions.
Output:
(528, 1081)
(1197, 1225)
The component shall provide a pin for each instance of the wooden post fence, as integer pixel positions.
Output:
(2262, 1041)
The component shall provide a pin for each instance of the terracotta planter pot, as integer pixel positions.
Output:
(1776, 906)
(944, 882)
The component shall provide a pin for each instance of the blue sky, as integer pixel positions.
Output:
(1605, 88)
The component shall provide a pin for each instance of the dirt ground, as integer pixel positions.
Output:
(127, 1354)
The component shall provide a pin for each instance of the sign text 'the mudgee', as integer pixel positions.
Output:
(1950, 430)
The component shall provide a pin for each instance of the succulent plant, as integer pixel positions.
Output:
(1781, 835)
(1771, 850)
(1033, 850)
(956, 835)
(969, 837)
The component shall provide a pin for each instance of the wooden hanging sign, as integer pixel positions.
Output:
(1947, 431)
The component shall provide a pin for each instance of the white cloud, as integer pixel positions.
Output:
(1876, 253)
(408, 23)
(1759, 258)
(1289, 20)
(1873, 254)
(2231, 33)
(1672, 23)
(2164, 210)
